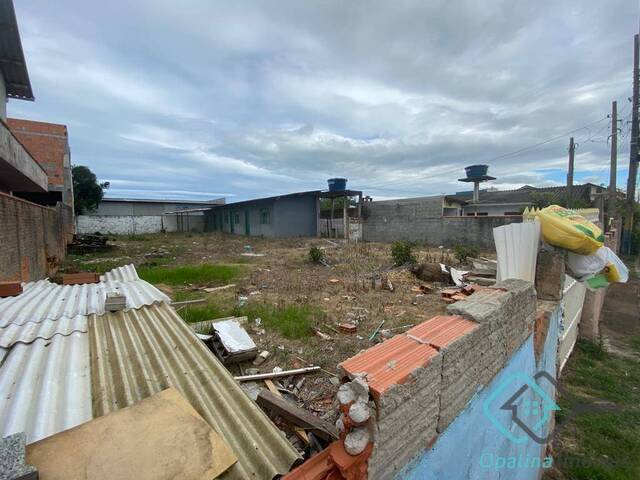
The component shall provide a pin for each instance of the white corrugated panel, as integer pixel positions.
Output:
(44, 300)
(45, 386)
(517, 250)
(27, 333)
(126, 273)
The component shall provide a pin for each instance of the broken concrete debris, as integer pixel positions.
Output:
(12, 459)
(260, 359)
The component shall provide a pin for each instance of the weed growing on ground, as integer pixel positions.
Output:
(462, 252)
(190, 274)
(401, 252)
(316, 255)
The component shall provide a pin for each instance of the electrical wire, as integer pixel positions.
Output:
(380, 186)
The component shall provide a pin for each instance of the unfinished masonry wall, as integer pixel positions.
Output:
(423, 380)
(388, 222)
(33, 238)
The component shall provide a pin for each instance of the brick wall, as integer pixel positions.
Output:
(422, 380)
(33, 238)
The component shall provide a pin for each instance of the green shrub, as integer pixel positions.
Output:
(316, 255)
(401, 252)
(462, 252)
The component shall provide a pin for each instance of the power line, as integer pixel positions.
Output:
(378, 185)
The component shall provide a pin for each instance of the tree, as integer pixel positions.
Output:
(87, 192)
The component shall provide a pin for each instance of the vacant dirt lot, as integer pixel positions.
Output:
(278, 281)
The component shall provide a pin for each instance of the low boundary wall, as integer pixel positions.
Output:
(389, 222)
(33, 238)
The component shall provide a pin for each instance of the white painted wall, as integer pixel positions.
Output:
(134, 224)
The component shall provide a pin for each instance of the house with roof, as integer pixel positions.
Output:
(513, 202)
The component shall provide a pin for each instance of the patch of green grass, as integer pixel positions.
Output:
(601, 445)
(209, 311)
(190, 274)
(291, 321)
(96, 267)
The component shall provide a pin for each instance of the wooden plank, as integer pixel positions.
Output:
(283, 373)
(154, 439)
(188, 302)
(300, 433)
(296, 415)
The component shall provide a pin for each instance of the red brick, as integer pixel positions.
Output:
(80, 278)
(10, 289)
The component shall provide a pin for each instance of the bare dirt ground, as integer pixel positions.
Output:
(344, 291)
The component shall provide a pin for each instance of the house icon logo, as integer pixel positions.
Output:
(520, 408)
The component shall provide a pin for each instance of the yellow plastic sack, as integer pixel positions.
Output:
(566, 229)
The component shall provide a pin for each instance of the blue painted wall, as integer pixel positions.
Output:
(472, 448)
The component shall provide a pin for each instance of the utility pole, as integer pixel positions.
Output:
(572, 149)
(614, 164)
(633, 153)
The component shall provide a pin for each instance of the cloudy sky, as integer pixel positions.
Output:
(201, 99)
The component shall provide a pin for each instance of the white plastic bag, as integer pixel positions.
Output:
(584, 266)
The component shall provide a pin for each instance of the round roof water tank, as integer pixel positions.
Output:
(476, 171)
(337, 184)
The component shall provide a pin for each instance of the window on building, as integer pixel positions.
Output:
(236, 218)
(265, 216)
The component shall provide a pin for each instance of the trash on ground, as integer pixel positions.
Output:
(347, 327)
(283, 373)
(216, 289)
(231, 342)
(260, 359)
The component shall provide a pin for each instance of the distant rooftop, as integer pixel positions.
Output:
(523, 194)
(215, 201)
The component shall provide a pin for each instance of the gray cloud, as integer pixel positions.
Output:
(258, 98)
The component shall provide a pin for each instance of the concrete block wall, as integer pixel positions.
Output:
(137, 224)
(422, 380)
(424, 223)
(33, 239)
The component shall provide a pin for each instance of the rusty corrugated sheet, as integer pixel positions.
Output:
(137, 353)
(45, 386)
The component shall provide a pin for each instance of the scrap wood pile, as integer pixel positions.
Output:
(88, 243)
(279, 391)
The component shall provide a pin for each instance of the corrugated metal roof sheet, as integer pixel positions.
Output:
(140, 352)
(126, 273)
(45, 386)
(45, 330)
(44, 300)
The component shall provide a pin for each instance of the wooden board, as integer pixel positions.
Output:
(296, 415)
(300, 433)
(161, 437)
